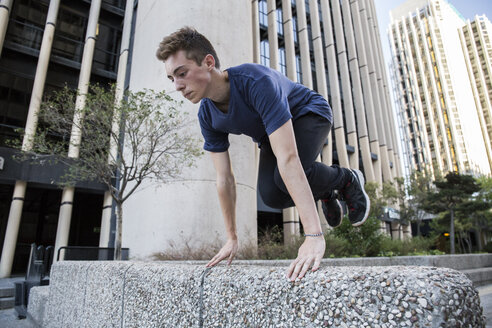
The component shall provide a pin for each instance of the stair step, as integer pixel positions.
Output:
(480, 276)
(7, 291)
(7, 302)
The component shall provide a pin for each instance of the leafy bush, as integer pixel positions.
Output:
(413, 246)
(364, 240)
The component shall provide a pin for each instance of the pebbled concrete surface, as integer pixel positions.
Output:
(156, 294)
(8, 318)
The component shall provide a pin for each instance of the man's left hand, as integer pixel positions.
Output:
(310, 253)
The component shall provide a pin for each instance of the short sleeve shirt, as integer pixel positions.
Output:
(261, 101)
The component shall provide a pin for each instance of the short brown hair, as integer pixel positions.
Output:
(188, 39)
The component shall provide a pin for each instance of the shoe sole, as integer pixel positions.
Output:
(360, 177)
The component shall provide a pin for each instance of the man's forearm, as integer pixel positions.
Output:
(226, 189)
(296, 182)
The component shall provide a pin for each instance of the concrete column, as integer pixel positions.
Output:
(378, 144)
(322, 88)
(12, 231)
(336, 104)
(5, 7)
(273, 34)
(433, 112)
(391, 133)
(66, 205)
(319, 60)
(120, 86)
(255, 31)
(344, 33)
(290, 54)
(375, 74)
(413, 76)
(187, 210)
(302, 28)
(291, 225)
(291, 222)
(440, 109)
(406, 231)
(30, 129)
(396, 230)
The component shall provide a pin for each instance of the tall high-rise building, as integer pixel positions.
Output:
(331, 46)
(477, 49)
(438, 110)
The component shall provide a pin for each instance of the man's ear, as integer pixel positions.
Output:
(209, 61)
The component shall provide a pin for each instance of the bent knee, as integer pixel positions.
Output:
(274, 198)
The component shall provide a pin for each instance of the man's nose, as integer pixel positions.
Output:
(179, 85)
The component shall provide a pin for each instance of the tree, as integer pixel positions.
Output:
(479, 209)
(451, 193)
(405, 208)
(418, 188)
(149, 141)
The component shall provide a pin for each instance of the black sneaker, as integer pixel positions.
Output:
(332, 209)
(355, 197)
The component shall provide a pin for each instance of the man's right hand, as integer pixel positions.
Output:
(228, 251)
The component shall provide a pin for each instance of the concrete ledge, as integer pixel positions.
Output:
(158, 294)
(38, 299)
(457, 262)
(480, 277)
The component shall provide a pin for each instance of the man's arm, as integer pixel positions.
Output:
(226, 189)
(312, 250)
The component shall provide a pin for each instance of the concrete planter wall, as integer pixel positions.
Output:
(137, 294)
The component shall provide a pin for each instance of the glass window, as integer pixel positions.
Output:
(15, 95)
(107, 48)
(294, 27)
(280, 25)
(263, 11)
(26, 24)
(70, 32)
(265, 53)
(282, 61)
(298, 69)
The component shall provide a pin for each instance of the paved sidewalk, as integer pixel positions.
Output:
(8, 319)
(486, 301)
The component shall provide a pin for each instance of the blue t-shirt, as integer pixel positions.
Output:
(261, 101)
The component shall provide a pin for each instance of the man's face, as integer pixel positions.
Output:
(188, 78)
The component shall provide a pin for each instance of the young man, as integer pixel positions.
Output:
(289, 122)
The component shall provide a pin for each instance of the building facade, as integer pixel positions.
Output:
(438, 115)
(46, 45)
(330, 46)
(477, 49)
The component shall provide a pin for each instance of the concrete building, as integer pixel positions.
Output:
(438, 111)
(329, 45)
(477, 49)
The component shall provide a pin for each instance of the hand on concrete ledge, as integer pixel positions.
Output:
(229, 251)
(310, 253)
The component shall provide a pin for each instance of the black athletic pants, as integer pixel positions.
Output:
(310, 131)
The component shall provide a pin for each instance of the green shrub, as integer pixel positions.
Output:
(488, 248)
(270, 246)
(364, 240)
(413, 246)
